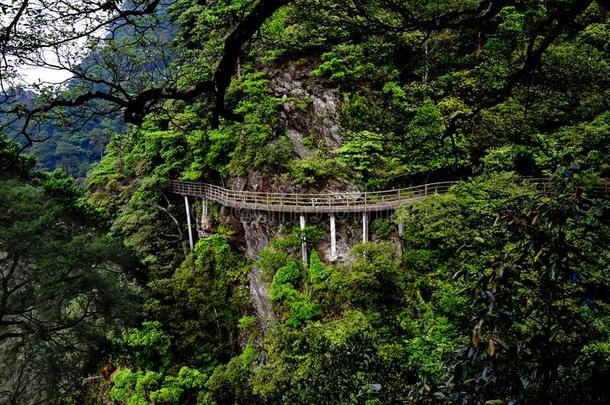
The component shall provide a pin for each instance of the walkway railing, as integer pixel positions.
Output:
(348, 201)
(308, 202)
(331, 203)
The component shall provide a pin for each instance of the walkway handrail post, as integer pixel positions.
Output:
(188, 221)
(335, 201)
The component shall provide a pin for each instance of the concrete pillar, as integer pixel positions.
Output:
(333, 238)
(401, 228)
(204, 208)
(365, 227)
(188, 221)
(303, 243)
(204, 215)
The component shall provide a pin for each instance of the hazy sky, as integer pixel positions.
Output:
(32, 75)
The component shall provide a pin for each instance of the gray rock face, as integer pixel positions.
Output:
(299, 147)
(259, 228)
(311, 118)
(259, 293)
(312, 109)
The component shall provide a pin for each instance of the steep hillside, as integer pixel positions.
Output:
(494, 292)
(444, 316)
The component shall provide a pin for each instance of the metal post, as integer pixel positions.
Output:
(333, 238)
(204, 207)
(401, 228)
(204, 214)
(303, 242)
(365, 227)
(188, 221)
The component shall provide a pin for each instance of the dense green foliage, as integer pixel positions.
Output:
(75, 151)
(495, 293)
(64, 284)
(518, 270)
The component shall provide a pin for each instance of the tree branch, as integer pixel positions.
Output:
(532, 61)
(137, 106)
(605, 4)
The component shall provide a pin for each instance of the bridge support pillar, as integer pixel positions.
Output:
(401, 228)
(365, 227)
(333, 237)
(205, 220)
(303, 242)
(204, 208)
(188, 221)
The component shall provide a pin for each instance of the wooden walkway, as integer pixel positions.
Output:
(309, 203)
(312, 203)
(328, 203)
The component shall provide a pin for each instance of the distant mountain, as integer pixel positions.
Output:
(75, 151)
(72, 151)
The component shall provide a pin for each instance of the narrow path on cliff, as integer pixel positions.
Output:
(328, 202)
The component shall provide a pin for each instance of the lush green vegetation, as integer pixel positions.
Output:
(494, 294)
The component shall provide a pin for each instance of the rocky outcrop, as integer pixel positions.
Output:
(259, 228)
(312, 112)
(311, 108)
